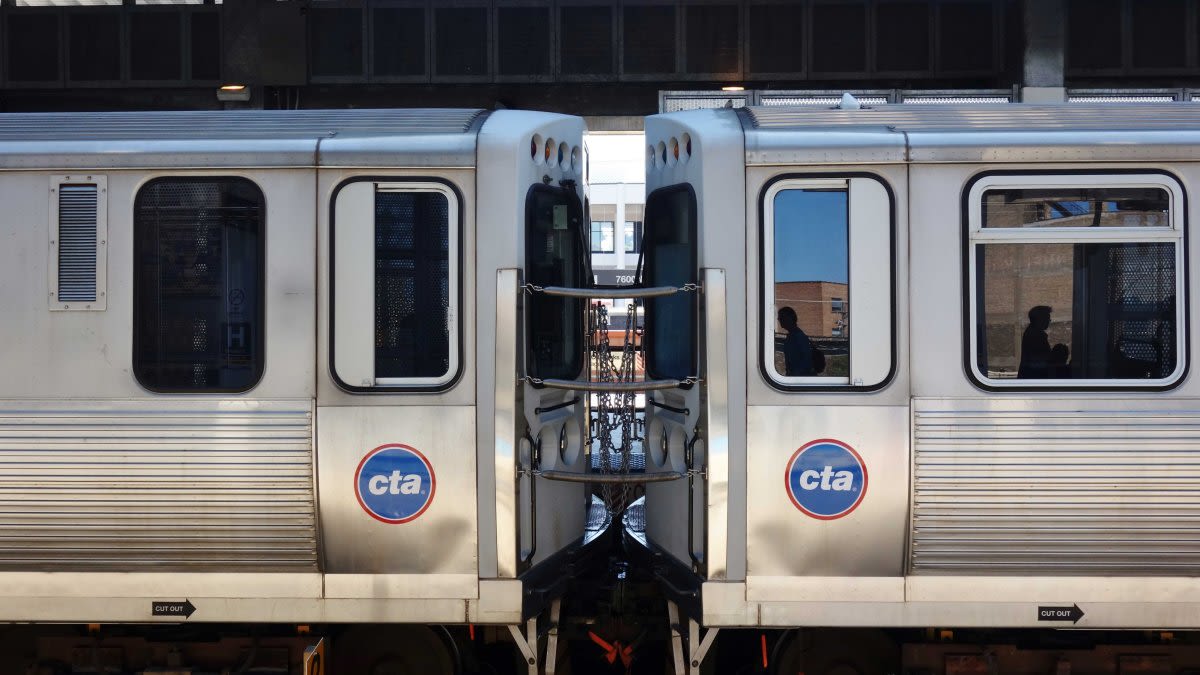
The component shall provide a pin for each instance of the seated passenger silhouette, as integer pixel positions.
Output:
(1038, 359)
(797, 348)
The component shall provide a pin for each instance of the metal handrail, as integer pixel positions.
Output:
(577, 477)
(619, 292)
(618, 387)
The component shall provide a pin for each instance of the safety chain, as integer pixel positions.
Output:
(616, 412)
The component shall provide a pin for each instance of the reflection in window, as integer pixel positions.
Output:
(198, 285)
(811, 284)
(602, 236)
(633, 236)
(1078, 311)
(671, 259)
(1076, 207)
(554, 256)
(1103, 307)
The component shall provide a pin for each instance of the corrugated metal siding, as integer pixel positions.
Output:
(1066, 492)
(233, 124)
(129, 486)
(984, 117)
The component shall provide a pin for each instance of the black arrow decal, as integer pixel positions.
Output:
(1072, 613)
(183, 608)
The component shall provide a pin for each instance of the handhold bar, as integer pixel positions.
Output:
(619, 292)
(615, 387)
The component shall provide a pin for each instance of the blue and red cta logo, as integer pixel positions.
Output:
(826, 479)
(394, 483)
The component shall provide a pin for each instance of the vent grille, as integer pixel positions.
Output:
(199, 486)
(1067, 490)
(77, 207)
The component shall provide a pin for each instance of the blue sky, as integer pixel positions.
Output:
(810, 236)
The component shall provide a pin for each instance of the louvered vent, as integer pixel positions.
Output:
(77, 243)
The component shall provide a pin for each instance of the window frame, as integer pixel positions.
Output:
(592, 234)
(586, 280)
(100, 182)
(260, 339)
(974, 234)
(766, 280)
(393, 385)
(635, 228)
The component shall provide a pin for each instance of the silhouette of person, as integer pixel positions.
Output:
(1038, 359)
(797, 348)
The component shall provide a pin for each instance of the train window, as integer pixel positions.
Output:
(1076, 280)
(394, 273)
(671, 259)
(78, 241)
(555, 255)
(827, 258)
(198, 285)
(602, 236)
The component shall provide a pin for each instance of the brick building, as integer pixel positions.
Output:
(822, 307)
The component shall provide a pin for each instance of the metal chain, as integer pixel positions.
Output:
(616, 411)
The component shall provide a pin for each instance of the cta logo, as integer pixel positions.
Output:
(826, 479)
(394, 483)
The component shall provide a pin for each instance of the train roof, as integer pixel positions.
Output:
(1115, 132)
(249, 138)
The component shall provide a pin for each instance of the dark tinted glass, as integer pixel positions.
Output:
(839, 38)
(1076, 311)
(412, 284)
(649, 39)
(198, 285)
(775, 41)
(712, 38)
(1094, 33)
(95, 46)
(154, 46)
(585, 41)
(965, 36)
(1159, 33)
(399, 41)
(336, 41)
(524, 35)
(462, 41)
(902, 36)
(671, 260)
(555, 256)
(32, 47)
(206, 46)
(1076, 207)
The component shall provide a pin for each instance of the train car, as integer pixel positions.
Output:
(251, 373)
(941, 357)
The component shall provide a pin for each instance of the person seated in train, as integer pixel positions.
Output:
(1038, 359)
(800, 355)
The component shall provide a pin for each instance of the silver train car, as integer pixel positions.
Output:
(251, 369)
(943, 380)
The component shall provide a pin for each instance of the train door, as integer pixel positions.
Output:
(556, 257)
(396, 419)
(673, 416)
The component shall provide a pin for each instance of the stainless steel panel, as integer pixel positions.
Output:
(199, 485)
(782, 540)
(507, 296)
(977, 133)
(442, 540)
(717, 412)
(998, 117)
(257, 138)
(1055, 487)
